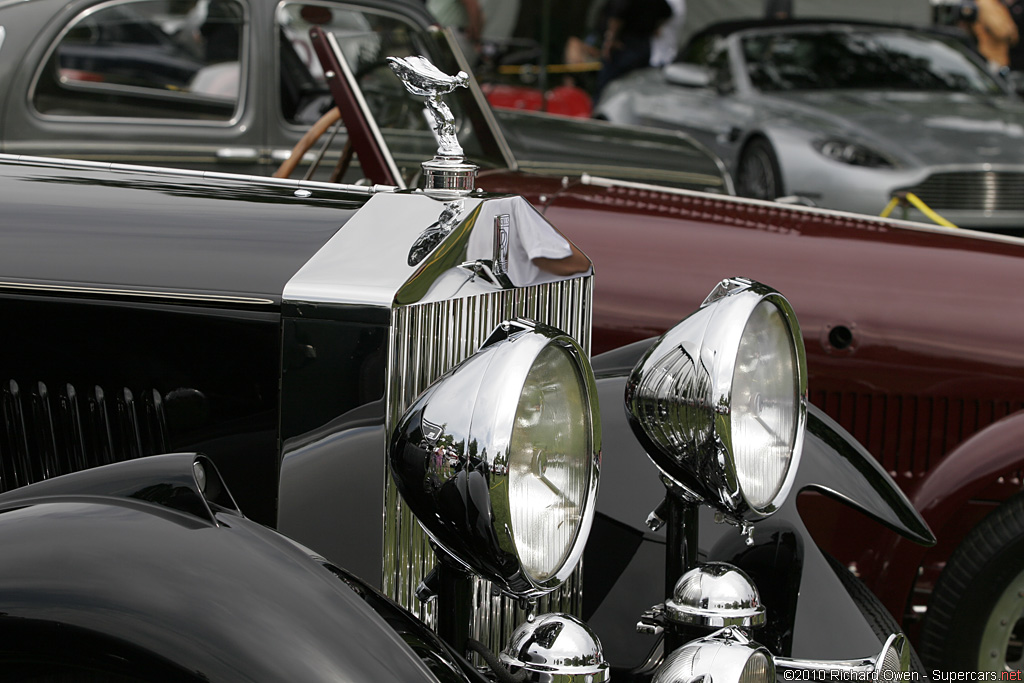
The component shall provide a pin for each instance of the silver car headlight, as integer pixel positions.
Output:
(852, 153)
(499, 458)
(719, 401)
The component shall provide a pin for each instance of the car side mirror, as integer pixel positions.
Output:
(687, 75)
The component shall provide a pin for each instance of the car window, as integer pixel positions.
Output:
(147, 59)
(896, 60)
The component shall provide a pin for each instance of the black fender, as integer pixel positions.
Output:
(135, 569)
(811, 613)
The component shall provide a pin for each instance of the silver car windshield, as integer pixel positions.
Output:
(875, 59)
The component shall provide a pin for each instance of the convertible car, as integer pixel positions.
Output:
(400, 380)
(844, 115)
(233, 85)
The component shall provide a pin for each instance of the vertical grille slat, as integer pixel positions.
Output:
(972, 191)
(426, 341)
(44, 435)
(909, 435)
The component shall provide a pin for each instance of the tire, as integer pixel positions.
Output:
(758, 175)
(875, 613)
(975, 619)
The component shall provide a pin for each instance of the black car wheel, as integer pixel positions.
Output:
(758, 175)
(975, 618)
(874, 612)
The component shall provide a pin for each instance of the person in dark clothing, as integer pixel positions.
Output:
(629, 25)
(1016, 9)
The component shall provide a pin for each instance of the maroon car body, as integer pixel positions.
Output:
(912, 335)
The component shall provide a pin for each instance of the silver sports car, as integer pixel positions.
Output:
(844, 115)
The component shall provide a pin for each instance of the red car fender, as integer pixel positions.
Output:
(941, 497)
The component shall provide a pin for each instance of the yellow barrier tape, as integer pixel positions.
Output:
(904, 197)
(512, 69)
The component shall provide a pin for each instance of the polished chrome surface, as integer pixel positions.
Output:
(556, 648)
(892, 663)
(689, 376)
(426, 340)
(423, 79)
(447, 173)
(715, 594)
(455, 458)
(436, 232)
(320, 189)
(726, 656)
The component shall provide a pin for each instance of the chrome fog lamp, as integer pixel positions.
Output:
(556, 648)
(715, 594)
(499, 458)
(727, 656)
(719, 401)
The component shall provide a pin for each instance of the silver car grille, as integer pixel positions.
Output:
(427, 340)
(972, 191)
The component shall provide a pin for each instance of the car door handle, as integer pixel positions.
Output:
(237, 154)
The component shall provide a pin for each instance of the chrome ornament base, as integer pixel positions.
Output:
(448, 177)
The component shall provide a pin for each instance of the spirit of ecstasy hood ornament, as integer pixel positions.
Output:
(447, 174)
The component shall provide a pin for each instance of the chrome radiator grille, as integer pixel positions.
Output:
(426, 340)
(973, 191)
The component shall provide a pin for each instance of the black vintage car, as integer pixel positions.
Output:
(400, 382)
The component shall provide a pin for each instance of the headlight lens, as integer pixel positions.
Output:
(499, 458)
(549, 469)
(765, 404)
(726, 656)
(852, 153)
(719, 400)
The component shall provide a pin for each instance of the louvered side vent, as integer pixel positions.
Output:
(45, 434)
(909, 435)
(427, 340)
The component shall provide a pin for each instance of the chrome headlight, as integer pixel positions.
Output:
(719, 401)
(852, 153)
(499, 458)
(723, 657)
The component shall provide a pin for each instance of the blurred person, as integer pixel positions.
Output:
(1016, 10)
(778, 10)
(665, 42)
(626, 43)
(995, 32)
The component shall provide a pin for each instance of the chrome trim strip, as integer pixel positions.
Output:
(83, 164)
(555, 168)
(708, 199)
(3, 34)
(138, 293)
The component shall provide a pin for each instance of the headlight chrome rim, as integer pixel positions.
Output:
(698, 357)
(437, 454)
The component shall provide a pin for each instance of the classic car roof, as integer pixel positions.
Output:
(107, 229)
